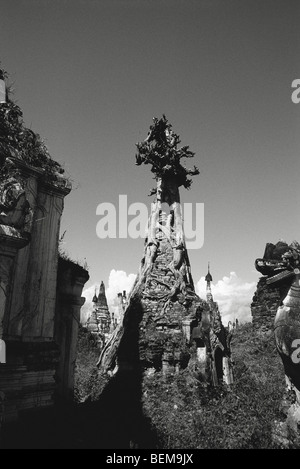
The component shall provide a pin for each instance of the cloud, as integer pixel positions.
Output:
(233, 296)
(118, 281)
(88, 294)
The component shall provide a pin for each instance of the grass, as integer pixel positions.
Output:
(187, 414)
(86, 372)
(184, 413)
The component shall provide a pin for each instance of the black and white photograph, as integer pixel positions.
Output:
(150, 227)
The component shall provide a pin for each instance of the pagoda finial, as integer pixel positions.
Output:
(208, 277)
(102, 296)
(208, 280)
(95, 299)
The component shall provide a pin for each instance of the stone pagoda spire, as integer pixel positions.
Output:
(163, 307)
(102, 310)
(102, 301)
(100, 319)
(208, 280)
(95, 298)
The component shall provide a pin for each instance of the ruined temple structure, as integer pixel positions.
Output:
(232, 325)
(269, 295)
(40, 294)
(221, 366)
(281, 267)
(100, 320)
(101, 323)
(166, 325)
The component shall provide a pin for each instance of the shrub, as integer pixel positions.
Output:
(188, 414)
(86, 372)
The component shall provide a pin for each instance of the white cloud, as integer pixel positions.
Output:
(233, 296)
(117, 282)
(88, 294)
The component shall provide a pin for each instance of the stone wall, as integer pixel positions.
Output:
(268, 297)
(70, 282)
(39, 302)
(264, 305)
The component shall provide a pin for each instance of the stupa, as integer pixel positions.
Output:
(163, 308)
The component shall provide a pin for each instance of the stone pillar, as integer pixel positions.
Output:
(186, 327)
(71, 280)
(33, 296)
(11, 240)
(201, 355)
(202, 360)
(227, 371)
(215, 380)
(68, 346)
(40, 295)
(30, 177)
(29, 231)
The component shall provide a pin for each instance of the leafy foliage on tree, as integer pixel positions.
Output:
(16, 140)
(160, 149)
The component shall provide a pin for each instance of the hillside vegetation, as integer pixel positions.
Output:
(188, 415)
(86, 372)
(184, 413)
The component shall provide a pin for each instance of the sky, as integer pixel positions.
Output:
(89, 77)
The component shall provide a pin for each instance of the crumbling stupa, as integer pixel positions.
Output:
(281, 267)
(167, 325)
(100, 319)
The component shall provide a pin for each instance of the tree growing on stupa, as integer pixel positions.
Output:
(164, 308)
(160, 149)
